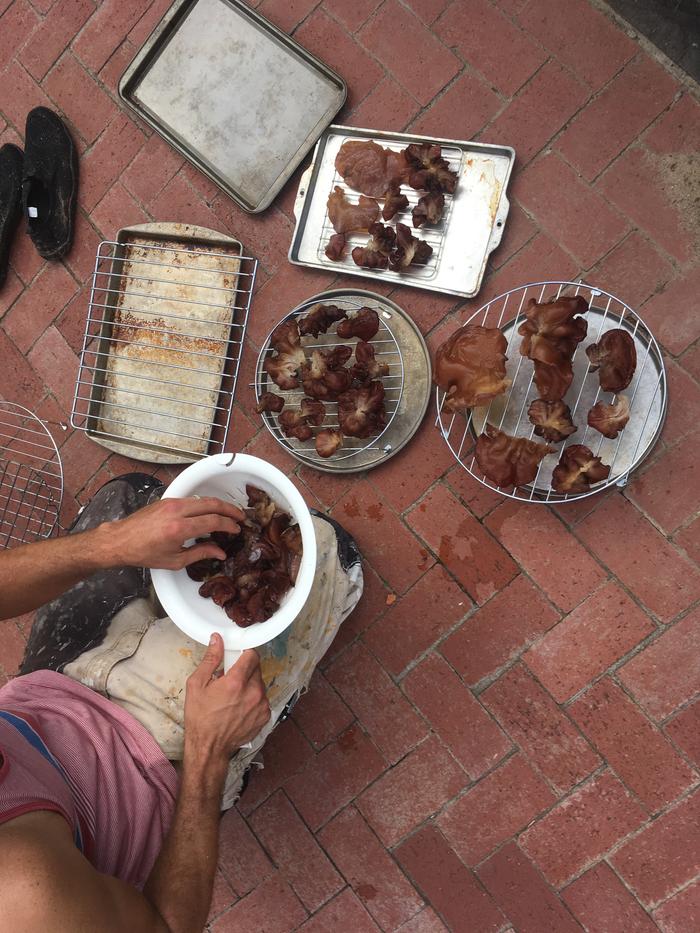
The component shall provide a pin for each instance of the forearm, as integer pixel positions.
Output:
(34, 574)
(180, 885)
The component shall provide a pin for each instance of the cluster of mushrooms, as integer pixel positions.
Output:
(378, 173)
(261, 564)
(324, 377)
(471, 369)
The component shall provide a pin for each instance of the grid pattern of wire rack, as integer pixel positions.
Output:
(434, 234)
(647, 393)
(162, 345)
(31, 477)
(387, 350)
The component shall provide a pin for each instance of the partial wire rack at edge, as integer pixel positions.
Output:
(31, 477)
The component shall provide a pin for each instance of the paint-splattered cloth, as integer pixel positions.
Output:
(125, 650)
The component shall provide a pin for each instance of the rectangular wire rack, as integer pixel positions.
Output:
(162, 346)
(434, 234)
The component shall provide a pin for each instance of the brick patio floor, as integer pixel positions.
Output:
(504, 734)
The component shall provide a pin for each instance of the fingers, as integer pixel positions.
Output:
(197, 527)
(200, 552)
(208, 504)
(213, 657)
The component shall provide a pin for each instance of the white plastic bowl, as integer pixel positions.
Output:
(225, 476)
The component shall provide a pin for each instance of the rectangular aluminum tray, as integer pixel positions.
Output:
(471, 227)
(233, 94)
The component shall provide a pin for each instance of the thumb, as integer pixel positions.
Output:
(213, 657)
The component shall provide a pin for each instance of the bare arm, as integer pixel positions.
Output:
(34, 574)
(48, 884)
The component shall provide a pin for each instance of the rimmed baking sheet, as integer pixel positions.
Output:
(233, 94)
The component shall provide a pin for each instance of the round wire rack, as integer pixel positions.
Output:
(387, 350)
(31, 477)
(647, 392)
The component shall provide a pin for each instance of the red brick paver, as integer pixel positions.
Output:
(506, 732)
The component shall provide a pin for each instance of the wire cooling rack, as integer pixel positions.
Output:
(433, 234)
(387, 350)
(162, 346)
(647, 392)
(31, 477)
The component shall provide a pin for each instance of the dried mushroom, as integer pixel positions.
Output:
(578, 469)
(609, 420)
(319, 319)
(552, 420)
(471, 367)
(394, 203)
(427, 169)
(296, 423)
(325, 377)
(375, 253)
(366, 366)
(507, 460)
(262, 562)
(336, 247)
(269, 402)
(363, 325)
(551, 332)
(429, 209)
(346, 216)
(328, 441)
(361, 411)
(409, 250)
(368, 167)
(614, 356)
(284, 366)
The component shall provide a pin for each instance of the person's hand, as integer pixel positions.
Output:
(155, 535)
(223, 712)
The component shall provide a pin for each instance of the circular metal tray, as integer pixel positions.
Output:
(647, 392)
(407, 402)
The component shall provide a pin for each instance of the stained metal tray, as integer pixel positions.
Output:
(163, 338)
(471, 227)
(233, 94)
(410, 404)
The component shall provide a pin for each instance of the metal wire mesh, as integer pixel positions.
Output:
(434, 234)
(31, 477)
(387, 350)
(646, 393)
(162, 345)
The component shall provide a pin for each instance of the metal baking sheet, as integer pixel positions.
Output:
(414, 398)
(162, 343)
(471, 227)
(233, 94)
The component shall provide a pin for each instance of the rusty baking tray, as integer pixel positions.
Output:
(233, 94)
(471, 227)
(163, 339)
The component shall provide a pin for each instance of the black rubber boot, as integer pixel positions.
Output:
(49, 183)
(11, 160)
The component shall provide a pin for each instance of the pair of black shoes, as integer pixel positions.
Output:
(42, 184)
